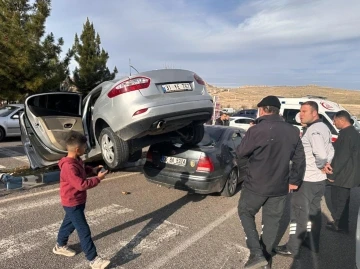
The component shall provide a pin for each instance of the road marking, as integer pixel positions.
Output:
(15, 209)
(14, 154)
(21, 243)
(177, 250)
(146, 240)
(57, 189)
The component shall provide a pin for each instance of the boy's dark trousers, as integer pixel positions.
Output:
(306, 216)
(272, 211)
(340, 200)
(75, 220)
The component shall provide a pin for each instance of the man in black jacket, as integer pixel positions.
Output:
(270, 146)
(346, 171)
(223, 119)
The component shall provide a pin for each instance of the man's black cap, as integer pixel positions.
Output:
(270, 101)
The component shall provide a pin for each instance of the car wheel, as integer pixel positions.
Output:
(231, 184)
(134, 157)
(2, 134)
(192, 134)
(114, 150)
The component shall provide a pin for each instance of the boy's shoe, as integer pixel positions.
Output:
(65, 251)
(99, 263)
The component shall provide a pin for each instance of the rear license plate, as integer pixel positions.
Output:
(173, 160)
(178, 87)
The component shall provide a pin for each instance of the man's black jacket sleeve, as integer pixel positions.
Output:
(298, 165)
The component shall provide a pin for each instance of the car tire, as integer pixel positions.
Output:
(2, 134)
(114, 150)
(231, 184)
(194, 133)
(134, 157)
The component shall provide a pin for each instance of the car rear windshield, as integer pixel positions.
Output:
(7, 110)
(356, 123)
(211, 136)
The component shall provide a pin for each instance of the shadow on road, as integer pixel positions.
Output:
(336, 250)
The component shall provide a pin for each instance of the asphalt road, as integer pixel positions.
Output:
(12, 154)
(152, 227)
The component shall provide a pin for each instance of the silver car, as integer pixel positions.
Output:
(9, 120)
(118, 117)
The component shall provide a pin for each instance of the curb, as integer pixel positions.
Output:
(45, 178)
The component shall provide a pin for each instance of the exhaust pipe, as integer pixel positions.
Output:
(160, 124)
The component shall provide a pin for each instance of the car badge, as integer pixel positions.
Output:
(192, 163)
(203, 92)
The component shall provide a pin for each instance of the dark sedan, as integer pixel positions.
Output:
(210, 166)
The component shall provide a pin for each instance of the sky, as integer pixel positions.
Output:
(229, 43)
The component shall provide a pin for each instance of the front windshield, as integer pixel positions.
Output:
(211, 136)
(7, 110)
(356, 123)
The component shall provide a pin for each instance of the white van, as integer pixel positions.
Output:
(327, 109)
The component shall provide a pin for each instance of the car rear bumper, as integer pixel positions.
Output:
(173, 117)
(176, 180)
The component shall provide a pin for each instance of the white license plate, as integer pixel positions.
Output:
(178, 87)
(173, 160)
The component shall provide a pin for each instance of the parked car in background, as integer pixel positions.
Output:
(118, 117)
(9, 120)
(241, 122)
(210, 166)
(250, 113)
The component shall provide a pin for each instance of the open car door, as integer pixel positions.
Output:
(46, 121)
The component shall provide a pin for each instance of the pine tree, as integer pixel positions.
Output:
(30, 62)
(91, 60)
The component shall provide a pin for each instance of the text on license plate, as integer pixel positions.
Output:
(173, 160)
(178, 87)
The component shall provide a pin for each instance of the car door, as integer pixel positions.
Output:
(13, 124)
(241, 162)
(46, 121)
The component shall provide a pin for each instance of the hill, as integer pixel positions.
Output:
(248, 96)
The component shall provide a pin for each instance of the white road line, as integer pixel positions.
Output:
(177, 250)
(14, 154)
(57, 189)
(21, 243)
(16, 209)
(145, 241)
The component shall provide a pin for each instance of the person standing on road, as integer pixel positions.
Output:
(270, 146)
(222, 120)
(305, 203)
(346, 171)
(73, 186)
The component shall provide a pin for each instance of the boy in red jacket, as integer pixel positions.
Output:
(73, 186)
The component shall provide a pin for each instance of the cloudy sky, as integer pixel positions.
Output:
(227, 42)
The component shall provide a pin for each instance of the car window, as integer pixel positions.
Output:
(211, 136)
(289, 116)
(243, 121)
(236, 139)
(55, 104)
(7, 110)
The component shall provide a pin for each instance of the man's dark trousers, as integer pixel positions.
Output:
(306, 216)
(272, 211)
(340, 200)
(75, 219)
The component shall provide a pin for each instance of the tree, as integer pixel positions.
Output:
(91, 60)
(30, 62)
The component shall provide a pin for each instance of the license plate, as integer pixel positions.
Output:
(173, 160)
(178, 87)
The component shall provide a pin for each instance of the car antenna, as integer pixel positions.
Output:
(130, 66)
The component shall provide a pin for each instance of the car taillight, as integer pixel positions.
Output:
(199, 80)
(333, 139)
(205, 165)
(133, 84)
(149, 157)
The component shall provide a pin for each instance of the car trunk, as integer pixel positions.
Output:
(178, 158)
(171, 83)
